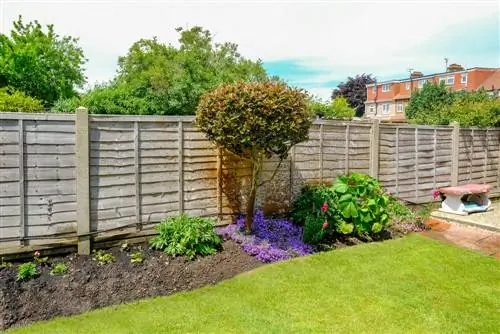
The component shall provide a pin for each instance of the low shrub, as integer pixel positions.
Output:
(26, 271)
(102, 257)
(271, 239)
(136, 257)
(59, 269)
(17, 101)
(185, 235)
(353, 205)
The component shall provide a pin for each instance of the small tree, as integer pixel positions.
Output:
(255, 121)
(427, 105)
(340, 108)
(354, 90)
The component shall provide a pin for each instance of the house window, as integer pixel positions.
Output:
(386, 88)
(421, 83)
(442, 80)
(450, 80)
(463, 78)
(385, 108)
(372, 109)
(374, 88)
(400, 107)
(408, 84)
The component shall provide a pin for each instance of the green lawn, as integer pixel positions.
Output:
(409, 285)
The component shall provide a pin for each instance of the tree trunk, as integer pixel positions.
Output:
(256, 165)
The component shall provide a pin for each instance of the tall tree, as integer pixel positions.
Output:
(354, 90)
(173, 79)
(41, 63)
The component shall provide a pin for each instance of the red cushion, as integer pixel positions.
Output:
(467, 189)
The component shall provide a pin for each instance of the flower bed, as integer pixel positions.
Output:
(271, 240)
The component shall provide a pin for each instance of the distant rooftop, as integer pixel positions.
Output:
(434, 74)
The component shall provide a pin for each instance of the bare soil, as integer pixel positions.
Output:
(88, 285)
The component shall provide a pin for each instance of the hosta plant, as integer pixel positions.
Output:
(185, 235)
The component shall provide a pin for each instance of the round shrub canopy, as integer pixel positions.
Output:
(255, 119)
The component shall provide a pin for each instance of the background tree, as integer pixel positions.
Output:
(435, 104)
(339, 108)
(155, 78)
(41, 63)
(255, 121)
(354, 90)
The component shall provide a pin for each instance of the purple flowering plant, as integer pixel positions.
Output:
(271, 239)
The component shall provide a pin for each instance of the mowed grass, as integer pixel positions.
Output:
(409, 285)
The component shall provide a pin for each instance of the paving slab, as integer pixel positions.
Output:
(466, 236)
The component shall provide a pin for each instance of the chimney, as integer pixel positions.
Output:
(454, 68)
(416, 74)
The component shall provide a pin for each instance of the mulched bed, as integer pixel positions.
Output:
(89, 285)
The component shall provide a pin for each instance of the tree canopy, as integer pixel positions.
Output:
(157, 78)
(354, 90)
(255, 121)
(41, 63)
(436, 104)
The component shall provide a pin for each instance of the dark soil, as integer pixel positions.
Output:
(89, 285)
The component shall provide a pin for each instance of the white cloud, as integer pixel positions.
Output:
(338, 37)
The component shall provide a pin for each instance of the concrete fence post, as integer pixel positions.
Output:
(374, 148)
(455, 146)
(82, 180)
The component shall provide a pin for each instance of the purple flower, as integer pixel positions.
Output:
(272, 239)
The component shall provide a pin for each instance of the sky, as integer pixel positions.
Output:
(311, 44)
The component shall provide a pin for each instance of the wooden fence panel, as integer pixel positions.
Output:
(142, 169)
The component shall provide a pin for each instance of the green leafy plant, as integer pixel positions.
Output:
(16, 101)
(398, 210)
(255, 121)
(185, 235)
(354, 205)
(4, 264)
(59, 269)
(136, 257)
(26, 271)
(102, 257)
(340, 109)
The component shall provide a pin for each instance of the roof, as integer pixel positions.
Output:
(402, 96)
(492, 82)
(434, 74)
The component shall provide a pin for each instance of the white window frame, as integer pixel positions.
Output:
(384, 111)
(443, 80)
(452, 82)
(421, 83)
(386, 88)
(371, 109)
(462, 81)
(374, 88)
(400, 107)
(408, 85)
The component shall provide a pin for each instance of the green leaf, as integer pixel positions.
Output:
(376, 228)
(345, 228)
(350, 211)
(340, 188)
(345, 198)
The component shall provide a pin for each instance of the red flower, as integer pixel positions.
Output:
(436, 194)
(36, 254)
(324, 207)
(325, 224)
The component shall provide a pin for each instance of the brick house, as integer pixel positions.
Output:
(387, 100)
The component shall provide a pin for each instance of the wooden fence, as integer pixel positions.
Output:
(70, 179)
